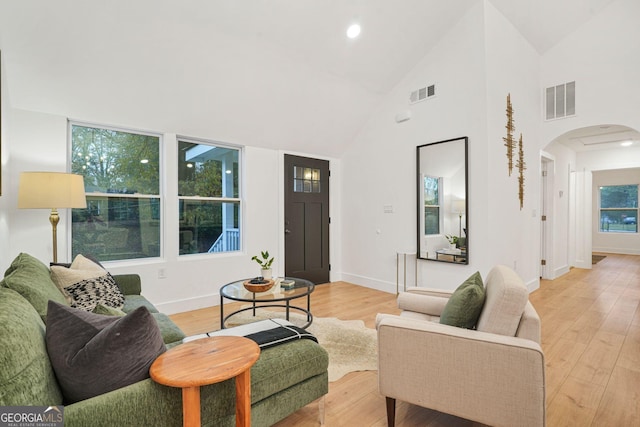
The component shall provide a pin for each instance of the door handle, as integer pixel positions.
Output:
(287, 231)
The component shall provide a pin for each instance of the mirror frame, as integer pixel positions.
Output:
(449, 258)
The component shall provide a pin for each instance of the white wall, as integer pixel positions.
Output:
(513, 67)
(474, 67)
(602, 57)
(621, 243)
(191, 281)
(622, 158)
(4, 166)
(460, 66)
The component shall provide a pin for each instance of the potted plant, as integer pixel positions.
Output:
(453, 241)
(265, 263)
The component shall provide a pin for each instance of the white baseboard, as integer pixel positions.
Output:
(370, 282)
(533, 285)
(622, 251)
(561, 271)
(188, 304)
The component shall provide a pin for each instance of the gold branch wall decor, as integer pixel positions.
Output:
(521, 165)
(509, 142)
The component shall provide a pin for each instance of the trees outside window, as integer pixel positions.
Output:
(121, 171)
(123, 218)
(619, 208)
(208, 197)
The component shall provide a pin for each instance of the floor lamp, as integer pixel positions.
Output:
(51, 190)
(459, 207)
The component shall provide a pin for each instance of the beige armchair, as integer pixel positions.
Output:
(493, 375)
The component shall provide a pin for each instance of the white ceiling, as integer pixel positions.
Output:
(195, 47)
(546, 22)
(602, 137)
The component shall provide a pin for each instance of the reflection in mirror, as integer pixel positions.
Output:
(442, 201)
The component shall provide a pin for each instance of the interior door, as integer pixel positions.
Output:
(306, 218)
(581, 218)
(543, 217)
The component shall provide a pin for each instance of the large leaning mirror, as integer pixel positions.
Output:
(443, 209)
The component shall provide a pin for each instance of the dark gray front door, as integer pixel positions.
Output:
(306, 218)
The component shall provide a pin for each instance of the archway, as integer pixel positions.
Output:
(575, 156)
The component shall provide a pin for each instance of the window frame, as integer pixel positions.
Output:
(601, 210)
(440, 219)
(239, 200)
(161, 196)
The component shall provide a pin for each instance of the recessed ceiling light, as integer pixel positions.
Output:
(353, 31)
(626, 143)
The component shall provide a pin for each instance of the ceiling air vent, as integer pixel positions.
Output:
(421, 94)
(560, 101)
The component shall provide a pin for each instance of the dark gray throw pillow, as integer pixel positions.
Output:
(465, 304)
(93, 354)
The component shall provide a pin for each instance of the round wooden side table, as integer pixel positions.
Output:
(208, 361)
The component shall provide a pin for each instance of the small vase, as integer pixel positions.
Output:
(266, 273)
(452, 245)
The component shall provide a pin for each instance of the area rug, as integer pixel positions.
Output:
(350, 344)
(597, 258)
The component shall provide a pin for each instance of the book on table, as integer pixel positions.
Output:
(287, 284)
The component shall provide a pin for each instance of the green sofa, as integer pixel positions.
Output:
(285, 377)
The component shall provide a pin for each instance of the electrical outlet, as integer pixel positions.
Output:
(162, 274)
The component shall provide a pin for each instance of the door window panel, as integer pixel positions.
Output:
(306, 180)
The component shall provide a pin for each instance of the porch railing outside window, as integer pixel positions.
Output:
(208, 197)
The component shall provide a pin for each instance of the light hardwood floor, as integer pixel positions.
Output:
(590, 337)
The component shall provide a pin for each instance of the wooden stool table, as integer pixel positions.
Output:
(208, 361)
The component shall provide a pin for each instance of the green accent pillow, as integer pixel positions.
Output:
(92, 354)
(465, 305)
(29, 277)
(105, 310)
(26, 375)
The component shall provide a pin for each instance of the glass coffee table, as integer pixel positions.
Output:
(274, 297)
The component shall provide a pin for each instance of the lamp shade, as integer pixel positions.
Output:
(51, 190)
(458, 206)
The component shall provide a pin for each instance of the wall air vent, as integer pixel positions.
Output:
(421, 94)
(560, 101)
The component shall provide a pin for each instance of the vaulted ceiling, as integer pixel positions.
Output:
(204, 63)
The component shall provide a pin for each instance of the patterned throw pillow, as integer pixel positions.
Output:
(86, 284)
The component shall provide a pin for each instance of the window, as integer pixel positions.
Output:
(306, 180)
(432, 205)
(619, 208)
(208, 197)
(121, 172)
